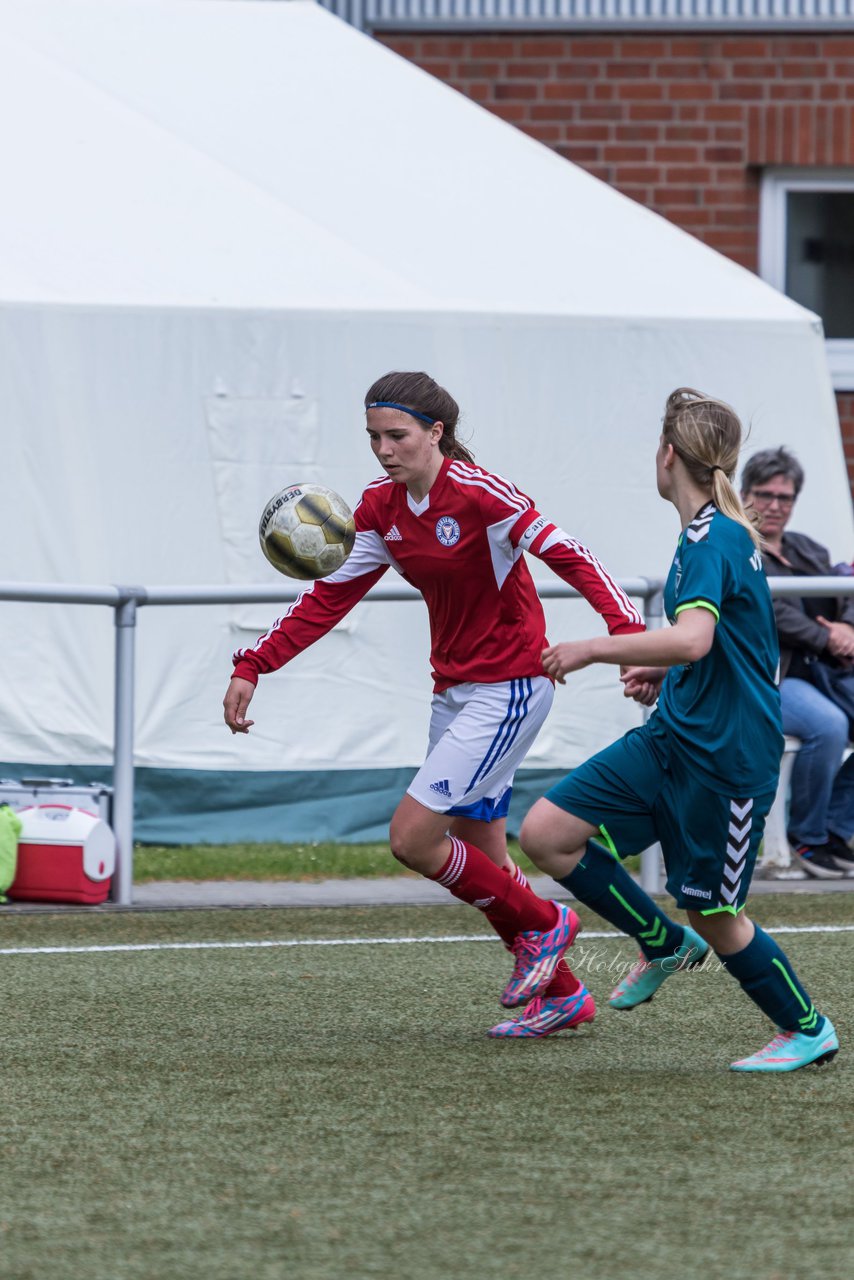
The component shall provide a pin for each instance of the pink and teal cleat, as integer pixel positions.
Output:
(644, 978)
(537, 956)
(791, 1049)
(542, 1017)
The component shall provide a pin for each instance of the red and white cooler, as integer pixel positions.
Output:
(65, 854)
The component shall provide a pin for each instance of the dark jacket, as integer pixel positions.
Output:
(797, 629)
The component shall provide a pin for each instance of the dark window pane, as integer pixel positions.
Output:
(820, 256)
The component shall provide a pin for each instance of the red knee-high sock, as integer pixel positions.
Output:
(496, 919)
(564, 981)
(474, 878)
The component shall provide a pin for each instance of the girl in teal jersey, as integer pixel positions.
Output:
(700, 776)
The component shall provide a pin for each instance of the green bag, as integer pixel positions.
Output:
(10, 830)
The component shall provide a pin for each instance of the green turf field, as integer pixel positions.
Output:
(312, 1112)
(321, 861)
(303, 862)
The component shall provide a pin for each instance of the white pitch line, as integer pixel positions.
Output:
(348, 942)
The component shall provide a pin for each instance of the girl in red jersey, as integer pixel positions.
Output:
(457, 533)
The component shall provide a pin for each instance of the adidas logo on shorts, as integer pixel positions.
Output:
(441, 788)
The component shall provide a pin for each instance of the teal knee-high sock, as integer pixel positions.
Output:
(601, 882)
(765, 973)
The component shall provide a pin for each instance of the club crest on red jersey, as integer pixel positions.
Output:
(447, 531)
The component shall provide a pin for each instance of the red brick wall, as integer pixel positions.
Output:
(845, 403)
(681, 123)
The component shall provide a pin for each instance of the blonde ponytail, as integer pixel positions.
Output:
(706, 434)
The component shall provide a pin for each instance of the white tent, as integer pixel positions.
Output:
(222, 221)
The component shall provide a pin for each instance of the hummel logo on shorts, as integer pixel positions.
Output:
(442, 788)
(393, 535)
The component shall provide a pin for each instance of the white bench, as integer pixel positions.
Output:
(776, 851)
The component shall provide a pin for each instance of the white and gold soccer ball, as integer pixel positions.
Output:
(307, 531)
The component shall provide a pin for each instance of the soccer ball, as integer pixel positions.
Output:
(307, 531)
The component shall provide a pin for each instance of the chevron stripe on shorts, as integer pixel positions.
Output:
(738, 844)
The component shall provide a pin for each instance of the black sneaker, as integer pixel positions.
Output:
(840, 852)
(818, 861)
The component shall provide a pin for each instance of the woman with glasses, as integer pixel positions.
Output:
(821, 814)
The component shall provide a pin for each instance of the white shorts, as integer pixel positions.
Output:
(479, 735)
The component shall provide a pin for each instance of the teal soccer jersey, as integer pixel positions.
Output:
(722, 713)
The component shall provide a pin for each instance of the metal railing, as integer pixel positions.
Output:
(595, 15)
(126, 600)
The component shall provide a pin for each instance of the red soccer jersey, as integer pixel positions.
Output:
(461, 546)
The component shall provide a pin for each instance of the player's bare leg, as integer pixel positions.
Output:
(562, 844)
(555, 840)
(419, 837)
(565, 1002)
(491, 837)
(725, 933)
(542, 930)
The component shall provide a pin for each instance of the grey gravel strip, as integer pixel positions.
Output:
(173, 895)
(390, 891)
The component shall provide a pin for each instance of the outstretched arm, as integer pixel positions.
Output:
(314, 613)
(688, 640)
(577, 565)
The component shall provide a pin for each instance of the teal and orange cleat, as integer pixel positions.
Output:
(791, 1049)
(544, 1016)
(644, 978)
(537, 956)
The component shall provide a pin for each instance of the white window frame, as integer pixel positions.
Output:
(774, 190)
